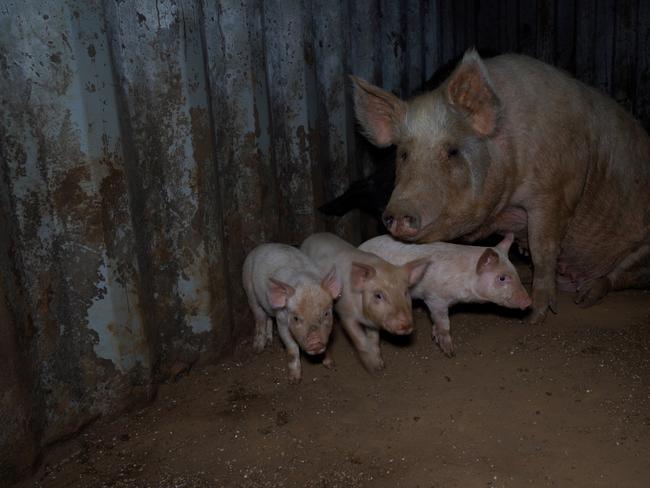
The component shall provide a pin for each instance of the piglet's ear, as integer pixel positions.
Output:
(416, 270)
(506, 242)
(380, 113)
(470, 90)
(360, 274)
(488, 260)
(279, 293)
(331, 283)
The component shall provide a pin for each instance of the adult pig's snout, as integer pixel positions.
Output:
(401, 223)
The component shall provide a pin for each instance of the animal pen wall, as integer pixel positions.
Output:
(147, 146)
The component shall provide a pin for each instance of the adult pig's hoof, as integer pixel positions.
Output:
(538, 315)
(593, 292)
(543, 301)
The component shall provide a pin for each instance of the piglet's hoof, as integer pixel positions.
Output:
(328, 362)
(294, 377)
(373, 365)
(445, 343)
(593, 292)
(259, 344)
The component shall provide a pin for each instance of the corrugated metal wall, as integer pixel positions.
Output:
(147, 146)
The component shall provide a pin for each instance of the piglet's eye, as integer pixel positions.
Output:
(379, 296)
(452, 151)
(404, 155)
(296, 318)
(503, 278)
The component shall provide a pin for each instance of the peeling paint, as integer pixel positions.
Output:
(148, 146)
(115, 316)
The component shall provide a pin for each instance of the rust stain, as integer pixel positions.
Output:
(302, 137)
(69, 192)
(203, 150)
(201, 135)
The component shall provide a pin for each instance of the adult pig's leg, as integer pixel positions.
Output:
(632, 272)
(546, 227)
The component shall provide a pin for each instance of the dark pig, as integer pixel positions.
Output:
(511, 144)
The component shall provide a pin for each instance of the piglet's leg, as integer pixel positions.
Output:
(373, 342)
(632, 272)
(261, 328)
(269, 331)
(293, 351)
(328, 360)
(440, 331)
(368, 351)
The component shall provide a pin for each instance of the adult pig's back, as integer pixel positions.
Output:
(579, 151)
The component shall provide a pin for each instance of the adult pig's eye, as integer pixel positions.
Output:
(296, 318)
(452, 152)
(404, 155)
(379, 296)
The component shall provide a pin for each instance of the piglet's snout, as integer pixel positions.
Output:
(402, 324)
(315, 344)
(521, 300)
(525, 302)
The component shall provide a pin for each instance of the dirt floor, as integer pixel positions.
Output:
(564, 404)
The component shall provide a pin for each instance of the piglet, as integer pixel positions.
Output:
(281, 282)
(456, 274)
(375, 293)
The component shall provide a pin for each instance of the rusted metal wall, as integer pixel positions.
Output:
(147, 146)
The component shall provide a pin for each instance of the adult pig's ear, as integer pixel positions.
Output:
(487, 261)
(470, 90)
(278, 293)
(506, 242)
(380, 113)
(332, 283)
(360, 274)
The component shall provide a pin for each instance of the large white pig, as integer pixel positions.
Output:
(510, 144)
(456, 274)
(375, 293)
(281, 282)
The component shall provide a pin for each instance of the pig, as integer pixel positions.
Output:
(375, 293)
(511, 144)
(456, 274)
(281, 282)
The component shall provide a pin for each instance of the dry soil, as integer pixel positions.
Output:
(564, 404)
